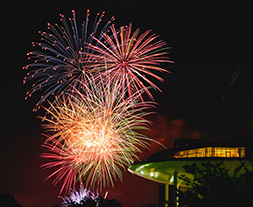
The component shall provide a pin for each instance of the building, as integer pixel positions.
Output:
(167, 165)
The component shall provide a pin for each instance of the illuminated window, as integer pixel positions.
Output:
(212, 152)
(242, 152)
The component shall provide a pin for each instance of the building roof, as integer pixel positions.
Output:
(160, 167)
(187, 144)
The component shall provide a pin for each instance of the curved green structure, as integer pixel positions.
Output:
(168, 165)
(163, 171)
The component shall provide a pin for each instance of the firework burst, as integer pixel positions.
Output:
(59, 64)
(130, 57)
(95, 135)
(80, 197)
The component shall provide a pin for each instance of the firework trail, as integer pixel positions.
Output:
(129, 57)
(61, 65)
(95, 135)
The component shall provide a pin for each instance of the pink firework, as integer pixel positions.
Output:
(67, 161)
(132, 58)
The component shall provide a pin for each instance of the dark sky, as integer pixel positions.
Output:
(210, 41)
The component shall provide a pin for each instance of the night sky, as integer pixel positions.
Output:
(208, 94)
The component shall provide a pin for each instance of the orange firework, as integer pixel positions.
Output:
(94, 134)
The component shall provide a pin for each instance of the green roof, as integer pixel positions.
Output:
(163, 172)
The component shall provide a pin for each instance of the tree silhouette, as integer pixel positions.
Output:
(213, 186)
(8, 200)
(110, 203)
